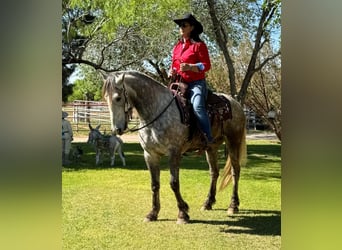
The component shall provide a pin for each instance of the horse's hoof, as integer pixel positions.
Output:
(182, 221)
(206, 208)
(150, 218)
(146, 220)
(184, 218)
(232, 210)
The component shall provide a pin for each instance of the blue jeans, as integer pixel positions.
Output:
(198, 94)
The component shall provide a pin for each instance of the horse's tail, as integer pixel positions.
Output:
(242, 157)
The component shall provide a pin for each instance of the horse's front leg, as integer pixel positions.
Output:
(174, 161)
(152, 163)
(211, 155)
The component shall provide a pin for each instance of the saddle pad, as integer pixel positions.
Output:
(218, 107)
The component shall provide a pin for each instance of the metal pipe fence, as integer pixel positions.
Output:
(81, 113)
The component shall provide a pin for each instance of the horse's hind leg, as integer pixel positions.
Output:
(211, 156)
(235, 201)
(235, 172)
(152, 163)
(174, 161)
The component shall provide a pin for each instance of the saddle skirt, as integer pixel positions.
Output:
(218, 107)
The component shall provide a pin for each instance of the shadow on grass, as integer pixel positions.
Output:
(134, 159)
(256, 222)
(259, 156)
(264, 161)
(133, 154)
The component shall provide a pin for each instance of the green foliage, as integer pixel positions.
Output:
(87, 88)
(140, 34)
(84, 89)
(147, 14)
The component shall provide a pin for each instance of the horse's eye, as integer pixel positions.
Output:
(117, 97)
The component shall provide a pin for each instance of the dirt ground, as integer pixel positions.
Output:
(135, 138)
(125, 138)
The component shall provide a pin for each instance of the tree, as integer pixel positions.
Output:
(117, 35)
(73, 42)
(88, 87)
(266, 16)
(263, 95)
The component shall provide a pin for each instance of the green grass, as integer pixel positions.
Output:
(103, 207)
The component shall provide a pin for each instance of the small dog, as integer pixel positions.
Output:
(77, 154)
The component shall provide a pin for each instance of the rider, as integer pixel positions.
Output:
(67, 137)
(190, 61)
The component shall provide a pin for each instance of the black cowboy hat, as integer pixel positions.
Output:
(198, 28)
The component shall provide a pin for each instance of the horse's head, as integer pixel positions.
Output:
(115, 94)
(94, 134)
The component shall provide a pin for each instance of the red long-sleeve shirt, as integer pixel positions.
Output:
(191, 52)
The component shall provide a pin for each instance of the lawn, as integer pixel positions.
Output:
(104, 207)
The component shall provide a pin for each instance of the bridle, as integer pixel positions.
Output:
(128, 107)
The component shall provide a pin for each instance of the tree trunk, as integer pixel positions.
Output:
(221, 40)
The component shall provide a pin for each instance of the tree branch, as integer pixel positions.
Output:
(221, 39)
(267, 60)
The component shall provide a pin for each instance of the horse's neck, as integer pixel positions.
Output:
(148, 98)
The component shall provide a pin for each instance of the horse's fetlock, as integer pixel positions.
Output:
(174, 185)
(155, 188)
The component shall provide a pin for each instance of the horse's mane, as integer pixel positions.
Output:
(108, 85)
(148, 78)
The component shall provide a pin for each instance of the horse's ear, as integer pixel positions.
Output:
(90, 127)
(98, 126)
(103, 74)
(121, 78)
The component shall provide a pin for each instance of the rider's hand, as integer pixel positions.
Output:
(172, 73)
(185, 67)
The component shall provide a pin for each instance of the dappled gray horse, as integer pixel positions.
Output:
(105, 143)
(162, 132)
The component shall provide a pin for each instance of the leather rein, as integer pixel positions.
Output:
(150, 122)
